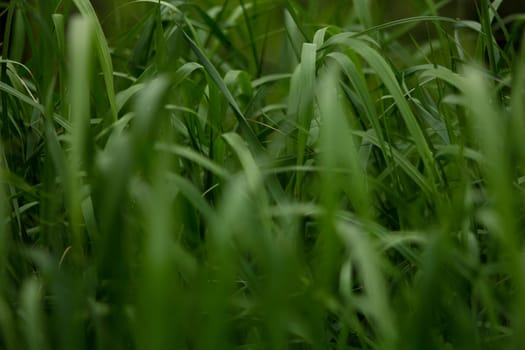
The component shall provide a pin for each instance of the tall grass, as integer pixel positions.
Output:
(260, 175)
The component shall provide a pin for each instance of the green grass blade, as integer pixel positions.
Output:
(300, 104)
(193, 195)
(338, 146)
(196, 157)
(104, 55)
(32, 316)
(362, 7)
(374, 301)
(251, 169)
(80, 53)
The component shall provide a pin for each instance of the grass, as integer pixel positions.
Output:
(261, 175)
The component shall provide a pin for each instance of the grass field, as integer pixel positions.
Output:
(262, 174)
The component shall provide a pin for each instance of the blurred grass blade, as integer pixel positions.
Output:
(7, 327)
(58, 22)
(148, 116)
(80, 53)
(374, 300)
(32, 316)
(193, 195)
(362, 7)
(157, 269)
(295, 32)
(300, 104)
(104, 55)
(487, 127)
(251, 169)
(251, 37)
(196, 157)
(338, 147)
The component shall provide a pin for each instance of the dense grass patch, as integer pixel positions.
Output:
(261, 175)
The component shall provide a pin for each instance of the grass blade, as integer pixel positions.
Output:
(104, 55)
(80, 41)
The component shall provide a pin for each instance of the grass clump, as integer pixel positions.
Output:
(261, 175)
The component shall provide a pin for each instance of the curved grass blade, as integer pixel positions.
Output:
(196, 157)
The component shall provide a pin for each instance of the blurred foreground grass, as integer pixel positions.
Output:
(261, 175)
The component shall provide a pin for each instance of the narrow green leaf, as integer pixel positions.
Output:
(338, 147)
(374, 302)
(300, 104)
(33, 321)
(104, 55)
(80, 53)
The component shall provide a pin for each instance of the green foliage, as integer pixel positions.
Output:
(261, 175)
